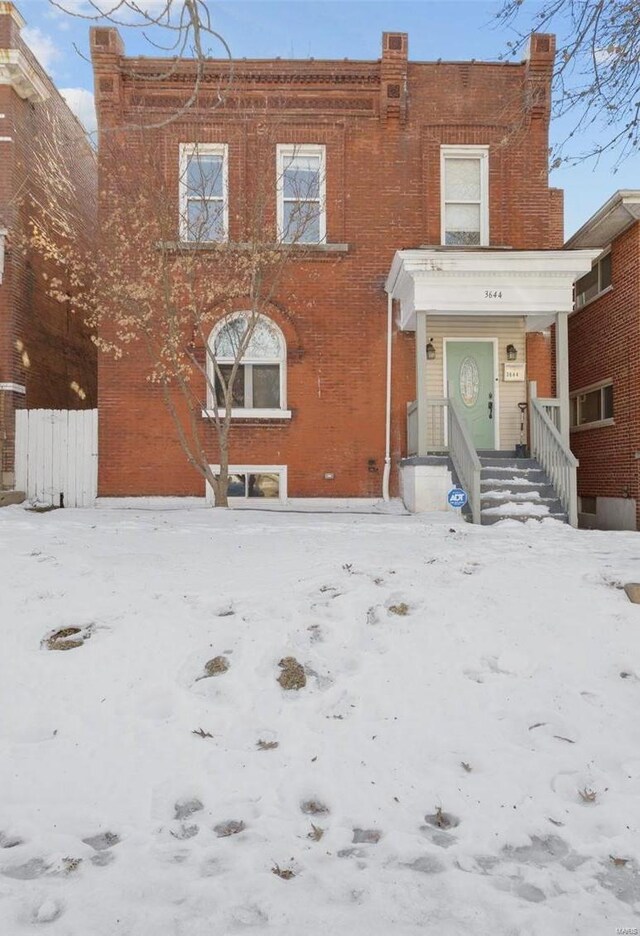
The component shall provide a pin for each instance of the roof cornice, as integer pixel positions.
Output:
(16, 71)
(9, 9)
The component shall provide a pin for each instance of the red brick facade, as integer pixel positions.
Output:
(383, 124)
(43, 347)
(604, 344)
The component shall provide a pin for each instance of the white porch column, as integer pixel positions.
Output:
(421, 380)
(562, 372)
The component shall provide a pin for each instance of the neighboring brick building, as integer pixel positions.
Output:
(386, 133)
(604, 367)
(47, 359)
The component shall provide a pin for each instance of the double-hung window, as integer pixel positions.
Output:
(204, 201)
(301, 194)
(464, 176)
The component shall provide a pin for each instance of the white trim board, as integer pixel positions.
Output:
(13, 387)
(496, 383)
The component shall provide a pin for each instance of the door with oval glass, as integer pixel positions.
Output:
(470, 378)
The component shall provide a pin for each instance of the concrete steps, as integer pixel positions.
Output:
(516, 489)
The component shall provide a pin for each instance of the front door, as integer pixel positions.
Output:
(470, 376)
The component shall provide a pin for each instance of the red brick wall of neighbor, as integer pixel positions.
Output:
(42, 345)
(604, 342)
(383, 168)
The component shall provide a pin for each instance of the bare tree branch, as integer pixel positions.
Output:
(597, 78)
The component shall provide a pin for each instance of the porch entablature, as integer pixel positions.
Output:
(446, 281)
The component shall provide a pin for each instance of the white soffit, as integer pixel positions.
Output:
(616, 215)
(446, 281)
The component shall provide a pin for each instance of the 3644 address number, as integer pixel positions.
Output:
(493, 294)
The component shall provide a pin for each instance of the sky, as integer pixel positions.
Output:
(448, 29)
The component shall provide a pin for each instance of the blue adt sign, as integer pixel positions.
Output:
(457, 497)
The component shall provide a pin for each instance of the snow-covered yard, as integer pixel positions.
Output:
(472, 703)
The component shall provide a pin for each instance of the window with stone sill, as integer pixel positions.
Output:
(259, 387)
(464, 173)
(301, 194)
(204, 193)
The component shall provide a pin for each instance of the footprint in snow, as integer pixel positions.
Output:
(425, 864)
(29, 871)
(47, 912)
(101, 844)
(622, 880)
(9, 841)
(366, 836)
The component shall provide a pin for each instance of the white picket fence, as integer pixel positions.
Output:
(57, 453)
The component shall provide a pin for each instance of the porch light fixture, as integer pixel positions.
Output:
(512, 352)
(431, 352)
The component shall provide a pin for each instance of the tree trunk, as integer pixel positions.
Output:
(220, 490)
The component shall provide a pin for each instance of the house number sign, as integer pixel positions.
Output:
(493, 294)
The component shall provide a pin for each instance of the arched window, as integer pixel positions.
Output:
(260, 383)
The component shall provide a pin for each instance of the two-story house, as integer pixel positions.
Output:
(47, 359)
(604, 367)
(423, 307)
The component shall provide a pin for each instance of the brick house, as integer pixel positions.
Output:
(423, 311)
(604, 367)
(47, 359)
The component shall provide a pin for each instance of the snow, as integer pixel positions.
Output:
(512, 495)
(526, 507)
(473, 758)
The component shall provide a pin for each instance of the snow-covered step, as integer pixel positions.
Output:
(516, 489)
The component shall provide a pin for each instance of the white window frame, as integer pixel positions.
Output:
(602, 290)
(280, 470)
(481, 154)
(203, 149)
(286, 151)
(597, 423)
(248, 412)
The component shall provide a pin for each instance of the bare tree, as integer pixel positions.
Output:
(181, 29)
(597, 76)
(167, 282)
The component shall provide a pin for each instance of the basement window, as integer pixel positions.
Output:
(592, 406)
(595, 282)
(254, 482)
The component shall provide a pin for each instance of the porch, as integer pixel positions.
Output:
(471, 311)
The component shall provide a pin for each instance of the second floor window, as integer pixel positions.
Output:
(301, 194)
(593, 283)
(204, 202)
(464, 178)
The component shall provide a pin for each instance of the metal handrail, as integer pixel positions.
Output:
(464, 457)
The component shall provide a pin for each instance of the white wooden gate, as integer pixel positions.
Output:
(57, 453)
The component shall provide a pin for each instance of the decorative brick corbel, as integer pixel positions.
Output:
(393, 77)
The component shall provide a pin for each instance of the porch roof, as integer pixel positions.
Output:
(485, 281)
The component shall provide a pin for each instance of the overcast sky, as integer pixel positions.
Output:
(449, 29)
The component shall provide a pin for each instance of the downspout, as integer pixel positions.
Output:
(387, 451)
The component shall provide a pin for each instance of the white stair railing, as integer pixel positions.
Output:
(464, 457)
(557, 459)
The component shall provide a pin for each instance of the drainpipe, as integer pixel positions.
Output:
(387, 451)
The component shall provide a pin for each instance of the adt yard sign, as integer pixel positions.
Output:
(457, 497)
